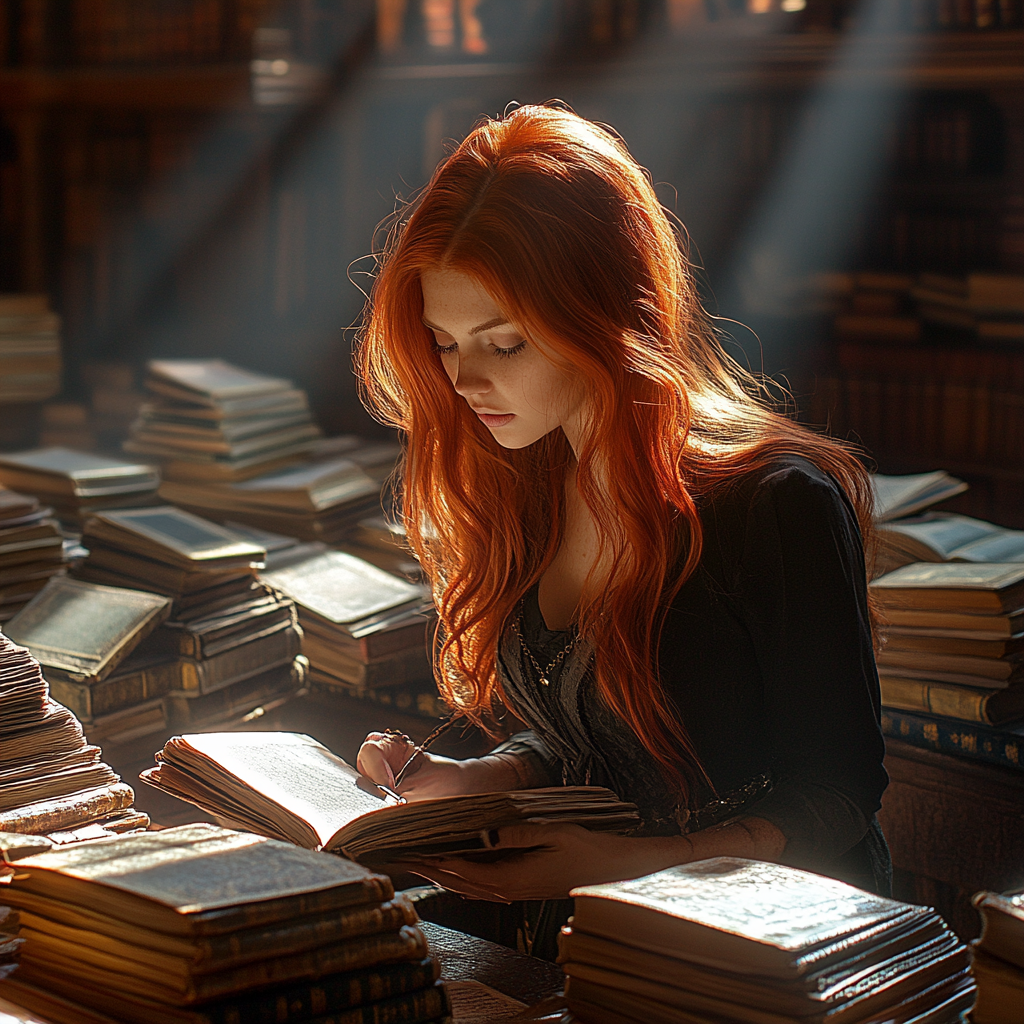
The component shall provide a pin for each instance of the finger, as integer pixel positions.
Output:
(524, 834)
(384, 754)
(455, 883)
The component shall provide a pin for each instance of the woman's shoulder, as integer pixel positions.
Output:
(787, 503)
(786, 480)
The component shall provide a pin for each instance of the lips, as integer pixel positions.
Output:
(490, 419)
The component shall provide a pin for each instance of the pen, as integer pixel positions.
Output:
(425, 745)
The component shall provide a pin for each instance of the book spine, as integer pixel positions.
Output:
(67, 811)
(947, 699)
(328, 995)
(962, 739)
(406, 944)
(425, 1005)
(340, 926)
(90, 700)
(202, 677)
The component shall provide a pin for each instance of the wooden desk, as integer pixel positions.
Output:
(954, 826)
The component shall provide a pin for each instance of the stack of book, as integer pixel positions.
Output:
(999, 958)
(52, 782)
(744, 941)
(313, 501)
(30, 363)
(954, 640)
(990, 307)
(201, 925)
(210, 421)
(288, 786)
(31, 550)
(382, 541)
(163, 624)
(879, 310)
(363, 628)
(77, 484)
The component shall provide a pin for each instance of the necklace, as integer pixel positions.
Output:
(544, 674)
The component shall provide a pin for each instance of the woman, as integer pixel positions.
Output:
(631, 554)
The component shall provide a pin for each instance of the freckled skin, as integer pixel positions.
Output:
(492, 369)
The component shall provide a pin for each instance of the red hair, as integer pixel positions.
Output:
(561, 226)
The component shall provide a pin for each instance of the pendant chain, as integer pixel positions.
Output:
(543, 674)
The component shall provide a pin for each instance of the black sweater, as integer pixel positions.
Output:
(767, 654)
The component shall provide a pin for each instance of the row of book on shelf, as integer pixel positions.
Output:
(893, 307)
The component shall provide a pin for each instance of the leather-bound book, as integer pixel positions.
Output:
(1002, 925)
(67, 474)
(968, 587)
(209, 382)
(339, 590)
(199, 924)
(170, 535)
(197, 880)
(84, 629)
(747, 941)
(289, 786)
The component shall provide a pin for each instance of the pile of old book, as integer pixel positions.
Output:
(31, 550)
(363, 628)
(288, 786)
(320, 500)
(30, 363)
(999, 958)
(954, 642)
(988, 306)
(52, 782)
(164, 624)
(744, 941)
(210, 421)
(202, 925)
(76, 483)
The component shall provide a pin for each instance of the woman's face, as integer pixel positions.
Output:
(519, 394)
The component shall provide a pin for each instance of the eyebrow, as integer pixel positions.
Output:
(479, 329)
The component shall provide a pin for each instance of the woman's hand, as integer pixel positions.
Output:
(383, 755)
(554, 859)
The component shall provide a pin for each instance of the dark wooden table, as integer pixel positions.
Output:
(954, 826)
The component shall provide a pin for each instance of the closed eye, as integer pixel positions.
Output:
(445, 349)
(508, 352)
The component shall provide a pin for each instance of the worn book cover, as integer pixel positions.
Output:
(289, 786)
(197, 880)
(174, 536)
(86, 629)
(63, 471)
(307, 487)
(738, 915)
(399, 668)
(342, 589)
(273, 403)
(205, 381)
(952, 586)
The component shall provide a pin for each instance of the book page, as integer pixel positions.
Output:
(295, 772)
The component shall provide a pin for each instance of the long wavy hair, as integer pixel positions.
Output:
(561, 226)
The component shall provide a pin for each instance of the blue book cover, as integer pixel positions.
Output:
(1002, 745)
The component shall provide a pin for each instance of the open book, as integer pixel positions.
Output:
(287, 786)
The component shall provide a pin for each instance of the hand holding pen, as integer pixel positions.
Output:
(410, 771)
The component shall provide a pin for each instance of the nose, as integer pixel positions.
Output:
(469, 378)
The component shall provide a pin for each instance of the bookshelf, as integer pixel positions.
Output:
(117, 196)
